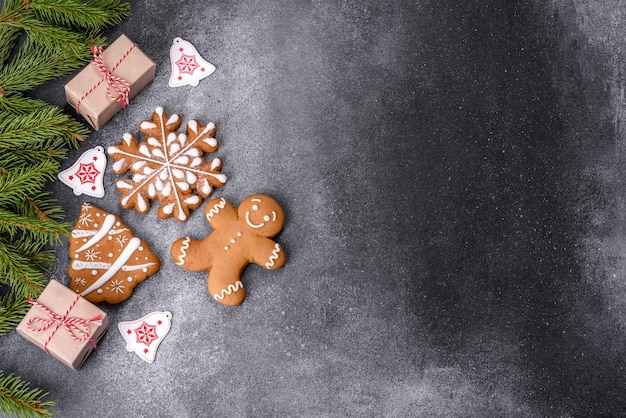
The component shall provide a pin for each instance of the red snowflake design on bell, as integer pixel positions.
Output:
(87, 173)
(187, 64)
(146, 333)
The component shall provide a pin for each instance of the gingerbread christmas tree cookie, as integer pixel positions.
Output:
(107, 260)
(169, 166)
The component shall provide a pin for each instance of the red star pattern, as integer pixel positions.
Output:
(181, 49)
(87, 173)
(146, 333)
(187, 64)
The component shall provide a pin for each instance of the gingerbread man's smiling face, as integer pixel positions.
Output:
(262, 214)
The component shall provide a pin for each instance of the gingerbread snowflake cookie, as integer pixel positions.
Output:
(107, 260)
(240, 236)
(169, 166)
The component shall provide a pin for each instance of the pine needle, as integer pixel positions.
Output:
(34, 65)
(12, 310)
(19, 183)
(48, 127)
(18, 399)
(17, 270)
(75, 13)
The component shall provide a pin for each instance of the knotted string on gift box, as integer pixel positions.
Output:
(76, 327)
(118, 84)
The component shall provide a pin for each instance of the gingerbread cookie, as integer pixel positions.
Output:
(168, 166)
(240, 236)
(107, 260)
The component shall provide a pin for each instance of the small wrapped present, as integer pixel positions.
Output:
(64, 325)
(111, 79)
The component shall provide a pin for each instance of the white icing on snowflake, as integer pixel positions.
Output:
(79, 281)
(168, 166)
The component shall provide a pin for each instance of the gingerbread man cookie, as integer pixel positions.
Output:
(240, 236)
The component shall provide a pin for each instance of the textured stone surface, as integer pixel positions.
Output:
(452, 175)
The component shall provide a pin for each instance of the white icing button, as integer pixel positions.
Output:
(95, 225)
(117, 224)
(145, 270)
(110, 237)
(140, 248)
(255, 207)
(226, 248)
(94, 272)
(110, 254)
(98, 214)
(76, 256)
(266, 218)
(100, 291)
(238, 234)
(129, 280)
(232, 241)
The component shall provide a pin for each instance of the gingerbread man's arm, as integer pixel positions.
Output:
(268, 254)
(219, 212)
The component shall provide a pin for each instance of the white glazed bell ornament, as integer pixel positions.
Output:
(188, 67)
(144, 335)
(86, 175)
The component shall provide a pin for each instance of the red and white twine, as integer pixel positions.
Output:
(120, 86)
(76, 327)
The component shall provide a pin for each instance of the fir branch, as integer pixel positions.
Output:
(12, 310)
(8, 38)
(17, 270)
(18, 399)
(8, 34)
(17, 103)
(45, 231)
(75, 13)
(41, 206)
(33, 65)
(19, 183)
(18, 157)
(48, 125)
(49, 35)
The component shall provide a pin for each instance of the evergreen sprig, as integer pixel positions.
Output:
(75, 13)
(18, 399)
(40, 40)
(12, 309)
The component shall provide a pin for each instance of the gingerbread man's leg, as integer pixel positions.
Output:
(225, 286)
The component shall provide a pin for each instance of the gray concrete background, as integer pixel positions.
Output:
(452, 175)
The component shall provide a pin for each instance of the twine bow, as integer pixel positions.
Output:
(118, 89)
(76, 327)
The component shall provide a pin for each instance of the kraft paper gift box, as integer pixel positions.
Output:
(64, 324)
(97, 91)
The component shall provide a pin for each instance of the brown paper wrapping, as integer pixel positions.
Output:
(97, 107)
(58, 298)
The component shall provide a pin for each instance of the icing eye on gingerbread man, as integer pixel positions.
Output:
(239, 237)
